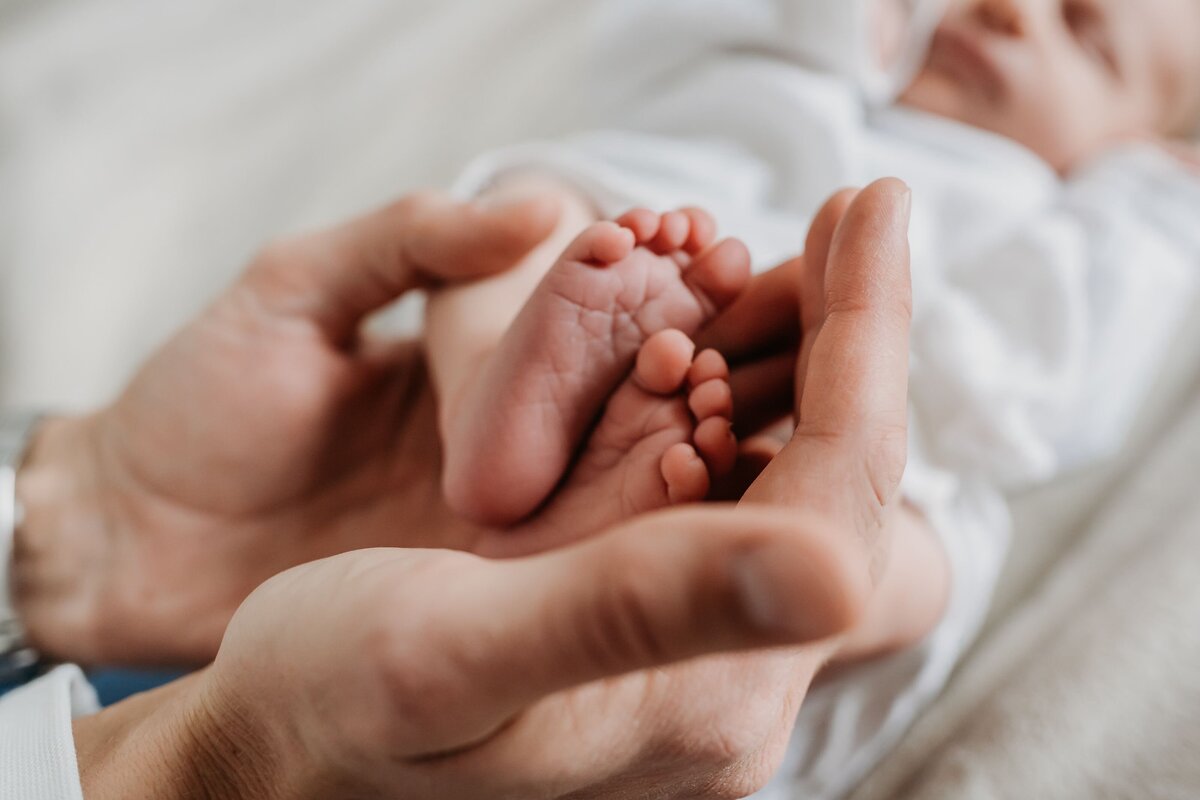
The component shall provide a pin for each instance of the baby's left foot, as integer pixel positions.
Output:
(664, 435)
(514, 427)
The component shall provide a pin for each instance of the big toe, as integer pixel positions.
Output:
(719, 274)
(685, 474)
(664, 361)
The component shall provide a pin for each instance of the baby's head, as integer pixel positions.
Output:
(1066, 78)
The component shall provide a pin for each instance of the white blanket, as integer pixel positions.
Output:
(147, 148)
(1086, 683)
(1043, 308)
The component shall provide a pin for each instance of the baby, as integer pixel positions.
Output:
(1054, 251)
(1068, 79)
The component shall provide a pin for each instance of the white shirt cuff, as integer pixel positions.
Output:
(37, 744)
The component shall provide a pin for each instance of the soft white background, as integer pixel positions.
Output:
(148, 147)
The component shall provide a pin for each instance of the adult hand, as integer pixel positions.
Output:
(849, 298)
(435, 674)
(268, 433)
(381, 673)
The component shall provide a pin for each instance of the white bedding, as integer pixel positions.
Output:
(1086, 684)
(146, 149)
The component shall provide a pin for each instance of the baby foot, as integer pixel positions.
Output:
(515, 427)
(664, 435)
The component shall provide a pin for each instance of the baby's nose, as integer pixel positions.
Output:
(1006, 17)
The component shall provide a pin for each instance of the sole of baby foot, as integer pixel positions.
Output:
(663, 438)
(516, 427)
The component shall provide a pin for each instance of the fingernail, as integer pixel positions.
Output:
(758, 597)
(785, 595)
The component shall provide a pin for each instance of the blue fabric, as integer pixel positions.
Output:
(114, 685)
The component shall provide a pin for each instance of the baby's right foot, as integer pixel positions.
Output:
(511, 433)
(664, 435)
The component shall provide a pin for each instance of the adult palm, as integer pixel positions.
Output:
(269, 432)
(551, 676)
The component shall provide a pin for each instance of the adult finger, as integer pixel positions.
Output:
(859, 364)
(810, 283)
(662, 589)
(336, 278)
(764, 317)
(762, 392)
(848, 452)
(754, 455)
(817, 246)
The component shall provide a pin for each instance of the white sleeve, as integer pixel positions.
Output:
(724, 138)
(1032, 355)
(639, 44)
(37, 745)
(1140, 209)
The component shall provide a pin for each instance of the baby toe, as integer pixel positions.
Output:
(711, 399)
(664, 361)
(685, 474)
(720, 273)
(710, 365)
(703, 230)
(643, 222)
(603, 243)
(673, 232)
(717, 445)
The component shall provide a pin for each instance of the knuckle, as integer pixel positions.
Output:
(826, 432)
(887, 460)
(417, 693)
(732, 740)
(893, 312)
(745, 778)
(422, 669)
(727, 740)
(751, 753)
(838, 304)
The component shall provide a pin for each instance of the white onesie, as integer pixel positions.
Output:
(1043, 307)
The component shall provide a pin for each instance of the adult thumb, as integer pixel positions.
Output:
(337, 277)
(664, 588)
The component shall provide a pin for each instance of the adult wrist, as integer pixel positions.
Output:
(16, 658)
(180, 741)
(61, 548)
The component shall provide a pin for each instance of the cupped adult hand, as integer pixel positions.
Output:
(587, 671)
(269, 432)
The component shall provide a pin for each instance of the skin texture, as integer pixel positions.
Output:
(304, 439)
(663, 433)
(540, 710)
(1066, 78)
(513, 426)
